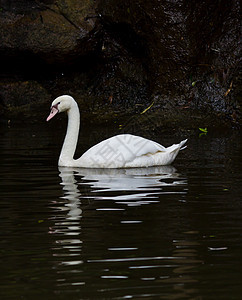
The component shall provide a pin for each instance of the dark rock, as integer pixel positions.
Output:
(17, 94)
(120, 56)
(184, 42)
(53, 31)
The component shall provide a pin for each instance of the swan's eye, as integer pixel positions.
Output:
(58, 103)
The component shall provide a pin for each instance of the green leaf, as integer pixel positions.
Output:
(205, 130)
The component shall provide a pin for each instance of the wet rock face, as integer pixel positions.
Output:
(51, 30)
(9, 92)
(161, 26)
(117, 55)
(191, 47)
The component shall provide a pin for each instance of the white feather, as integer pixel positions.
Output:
(120, 151)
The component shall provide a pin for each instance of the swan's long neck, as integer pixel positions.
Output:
(71, 138)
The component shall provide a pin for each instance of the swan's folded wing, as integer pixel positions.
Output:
(120, 149)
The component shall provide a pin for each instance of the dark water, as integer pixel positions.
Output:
(159, 233)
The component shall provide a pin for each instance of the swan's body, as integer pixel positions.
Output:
(120, 151)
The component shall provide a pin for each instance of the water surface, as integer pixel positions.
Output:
(169, 232)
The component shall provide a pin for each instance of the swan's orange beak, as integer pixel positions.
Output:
(53, 112)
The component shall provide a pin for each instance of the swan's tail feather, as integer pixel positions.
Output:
(177, 147)
(182, 143)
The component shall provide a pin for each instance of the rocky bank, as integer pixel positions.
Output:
(177, 60)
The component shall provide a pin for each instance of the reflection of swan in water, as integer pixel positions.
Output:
(106, 184)
(132, 187)
(123, 186)
(71, 192)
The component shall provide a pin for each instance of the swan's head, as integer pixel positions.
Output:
(60, 104)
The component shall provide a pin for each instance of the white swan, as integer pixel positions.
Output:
(120, 151)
